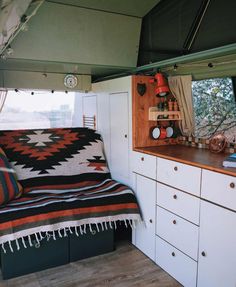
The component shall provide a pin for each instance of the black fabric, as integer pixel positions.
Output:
(166, 27)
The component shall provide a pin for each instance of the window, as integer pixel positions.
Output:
(42, 109)
(215, 108)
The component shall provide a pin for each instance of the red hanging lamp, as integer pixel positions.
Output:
(162, 88)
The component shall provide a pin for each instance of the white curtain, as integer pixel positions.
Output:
(3, 95)
(181, 88)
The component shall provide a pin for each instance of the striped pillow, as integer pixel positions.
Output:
(9, 186)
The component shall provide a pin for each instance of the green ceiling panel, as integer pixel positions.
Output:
(68, 34)
(137, 8)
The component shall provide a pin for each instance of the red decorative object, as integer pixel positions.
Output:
(162, 88)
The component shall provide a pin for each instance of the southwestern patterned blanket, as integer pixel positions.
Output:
(67, 186)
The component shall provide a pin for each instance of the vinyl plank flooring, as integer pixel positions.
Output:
(125, 267)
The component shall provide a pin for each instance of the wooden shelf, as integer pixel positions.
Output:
(153, 114)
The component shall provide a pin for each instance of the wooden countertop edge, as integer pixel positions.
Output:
(193, 163)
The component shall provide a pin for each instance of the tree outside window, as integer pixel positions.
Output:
(215, 108)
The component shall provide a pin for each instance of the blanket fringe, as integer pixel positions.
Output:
(76, 231)
(3, 248)
(23, 242)
(17, 245)
(34, 239)
(10, 246)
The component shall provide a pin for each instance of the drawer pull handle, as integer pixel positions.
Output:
(126, 136)
(142, 158)
(175, 196)
(150, 220)
(173, 254)
(203, 253)
(232, 185)
(174, 221)
(175, 168)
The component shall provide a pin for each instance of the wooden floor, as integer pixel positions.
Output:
(125, 267)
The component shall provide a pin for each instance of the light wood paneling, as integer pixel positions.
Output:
(140, 115)
(125, 267)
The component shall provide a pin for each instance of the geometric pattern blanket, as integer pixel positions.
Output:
(55, 158)
(55, 211)
(67, 186)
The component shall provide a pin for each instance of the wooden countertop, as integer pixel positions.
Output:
(193, 156)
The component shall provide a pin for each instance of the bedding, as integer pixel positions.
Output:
(71, 210)
(67, 186)
(56, 158)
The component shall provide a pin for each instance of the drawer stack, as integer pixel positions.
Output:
(190, 219)
(177, 219)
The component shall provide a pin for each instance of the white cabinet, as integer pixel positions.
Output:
(219, 188)
(178, 202)
(119, 135)
(177, 231)
(179, 175)
(145, 232)
(144, 164)
(177, 264)
(114, 123)
(217, 252)
(195, 233)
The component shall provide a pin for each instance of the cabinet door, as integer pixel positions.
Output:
(145, 232)
(217, 252)
(119, 148)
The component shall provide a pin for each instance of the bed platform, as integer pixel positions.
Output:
(51, 253)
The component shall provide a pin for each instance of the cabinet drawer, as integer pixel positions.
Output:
(178, 232)
(219, 188)
(177, 264)
(178, 202)
(144, 164)
(179, 175)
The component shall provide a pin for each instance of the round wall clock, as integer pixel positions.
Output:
(70, 81)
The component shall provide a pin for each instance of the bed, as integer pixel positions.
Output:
(63, 188)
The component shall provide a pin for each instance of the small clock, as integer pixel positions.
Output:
(70, 81)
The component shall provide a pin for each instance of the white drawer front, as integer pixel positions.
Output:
(178, 202)
(144, 164)
(178, 232)
(219, 188)
(179, 175)
(177, 264)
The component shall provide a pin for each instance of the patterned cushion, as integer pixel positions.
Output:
(9, 187)
(55, 158)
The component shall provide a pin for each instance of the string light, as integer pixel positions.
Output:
(37, 92)
(175, 67)
(198, 65)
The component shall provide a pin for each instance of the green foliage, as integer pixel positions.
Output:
(215, 107)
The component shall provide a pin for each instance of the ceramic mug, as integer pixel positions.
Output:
(163, 133)
(169, 132)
